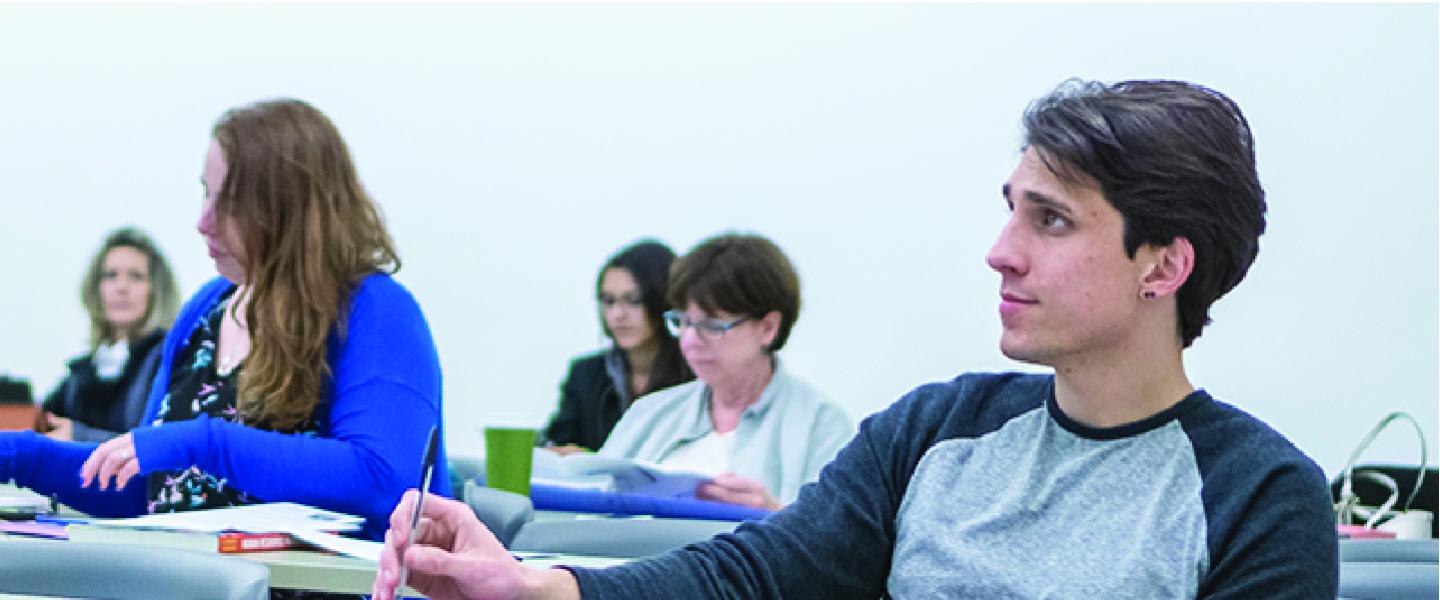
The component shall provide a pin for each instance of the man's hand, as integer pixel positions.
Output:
(453, 557)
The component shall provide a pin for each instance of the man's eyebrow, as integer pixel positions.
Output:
(1048, 202)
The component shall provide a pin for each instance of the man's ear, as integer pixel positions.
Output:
(1169, 268)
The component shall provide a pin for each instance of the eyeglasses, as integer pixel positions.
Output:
(626, 300)
(708, 329)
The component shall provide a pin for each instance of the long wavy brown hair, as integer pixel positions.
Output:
(309, 235)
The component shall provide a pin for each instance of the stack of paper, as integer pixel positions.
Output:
(616, 474)
(286, 517)
(198, 528)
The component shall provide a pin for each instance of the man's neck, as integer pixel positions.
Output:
(1122, 387)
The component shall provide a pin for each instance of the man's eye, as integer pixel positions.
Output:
(1054, 220)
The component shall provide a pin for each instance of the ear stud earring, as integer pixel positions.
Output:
(1148, 295)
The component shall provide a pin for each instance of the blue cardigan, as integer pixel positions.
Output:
(382, 399)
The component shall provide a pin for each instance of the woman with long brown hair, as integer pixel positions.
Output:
(304, 373)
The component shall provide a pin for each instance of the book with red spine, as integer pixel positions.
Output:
(228, 542)
(234, 541)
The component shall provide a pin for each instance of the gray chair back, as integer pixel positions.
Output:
(615, 537)
(462, 470)
(1386, 550)
(125, 571)
(504, 513)
(1389, 569)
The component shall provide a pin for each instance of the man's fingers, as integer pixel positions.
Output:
(401, 516)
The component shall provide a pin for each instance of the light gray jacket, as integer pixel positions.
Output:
(782, 440)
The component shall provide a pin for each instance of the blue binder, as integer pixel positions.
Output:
(553, 497)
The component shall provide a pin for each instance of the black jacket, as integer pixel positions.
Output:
(100, 409)
(591, 402)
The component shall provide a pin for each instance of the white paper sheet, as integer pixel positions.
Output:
(285, 517)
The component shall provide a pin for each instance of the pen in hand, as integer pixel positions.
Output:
(427, 470)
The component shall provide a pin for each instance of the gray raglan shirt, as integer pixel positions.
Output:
(982, 488)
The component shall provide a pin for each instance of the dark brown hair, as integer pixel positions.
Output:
(649, 262)
(309, 234)
(160, 306)
(1175, 159)
(739, 274)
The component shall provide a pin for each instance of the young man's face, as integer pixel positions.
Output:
(1067, 288)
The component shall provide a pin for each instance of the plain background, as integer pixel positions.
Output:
(512, 147)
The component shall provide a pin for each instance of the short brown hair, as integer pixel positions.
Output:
(1175, 159)
(742, 274)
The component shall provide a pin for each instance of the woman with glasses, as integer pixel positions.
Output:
(760, 430)
(131, 297)
(643, 356)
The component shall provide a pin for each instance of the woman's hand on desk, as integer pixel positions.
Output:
(569, 449)
(734, 489)
(455, 557)
(113, 459)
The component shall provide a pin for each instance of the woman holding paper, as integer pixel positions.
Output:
(642, 357)
(762, 431)
(304, 373)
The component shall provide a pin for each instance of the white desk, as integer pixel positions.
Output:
(312, 570)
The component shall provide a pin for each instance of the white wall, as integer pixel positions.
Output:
(514, 146)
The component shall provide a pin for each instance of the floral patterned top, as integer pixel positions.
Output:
(197, 386)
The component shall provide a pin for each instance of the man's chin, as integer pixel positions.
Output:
(1024, 353)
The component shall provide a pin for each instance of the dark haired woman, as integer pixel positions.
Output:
(130, 295)
(642, 357)
(305, 373)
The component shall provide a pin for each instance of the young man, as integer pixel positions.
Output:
(1134, 207)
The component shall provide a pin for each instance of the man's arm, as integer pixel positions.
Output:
(835, 540)
(1283, 546)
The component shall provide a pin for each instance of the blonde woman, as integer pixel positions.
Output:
(130, 294)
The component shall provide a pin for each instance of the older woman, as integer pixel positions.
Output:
(642, 357)
(304, 373)
(131, 297)
(761, 430)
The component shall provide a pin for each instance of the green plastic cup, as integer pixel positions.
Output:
(508, 451)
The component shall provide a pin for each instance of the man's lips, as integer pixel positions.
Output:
(1011, 303)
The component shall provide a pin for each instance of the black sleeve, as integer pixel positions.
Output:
(1285, 546)
(568, 424)
(55, 401)
(1270, 523)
